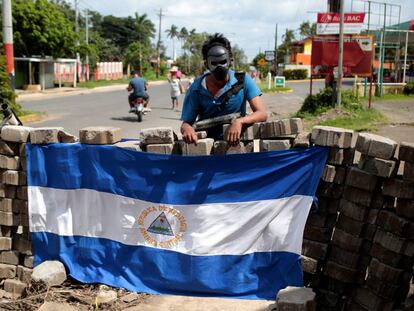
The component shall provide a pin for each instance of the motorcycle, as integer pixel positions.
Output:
(138, 108)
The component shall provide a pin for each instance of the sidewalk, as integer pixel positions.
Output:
(66, 91)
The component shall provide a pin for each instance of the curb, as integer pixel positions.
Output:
(29, 118)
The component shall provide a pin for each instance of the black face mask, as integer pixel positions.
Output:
(220, 73)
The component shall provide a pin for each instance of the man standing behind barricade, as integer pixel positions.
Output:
(221, 92)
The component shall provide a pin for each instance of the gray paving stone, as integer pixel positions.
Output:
(100, 135)
(332, 136)
(157, 135)
(16, 133)
(376, 146)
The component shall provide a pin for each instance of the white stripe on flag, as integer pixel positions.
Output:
(201, 230)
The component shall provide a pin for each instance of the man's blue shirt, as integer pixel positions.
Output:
(199, 102)
(138, 85)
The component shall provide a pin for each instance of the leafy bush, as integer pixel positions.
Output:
(295, 74)
(325, 99)
(6, 93)
(409, 88)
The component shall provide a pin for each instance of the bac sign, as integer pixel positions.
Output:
(328, 23)
(262, 62)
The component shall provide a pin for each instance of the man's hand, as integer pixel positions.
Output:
(234, 132)
(189, 134)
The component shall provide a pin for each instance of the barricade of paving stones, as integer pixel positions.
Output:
(358, 245)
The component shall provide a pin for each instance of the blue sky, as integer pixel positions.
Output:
(248, 23)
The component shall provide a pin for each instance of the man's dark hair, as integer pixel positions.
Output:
(216, 39)
(134, 72)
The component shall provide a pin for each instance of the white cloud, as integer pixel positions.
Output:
(248, 23)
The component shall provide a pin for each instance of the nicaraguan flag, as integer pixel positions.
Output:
(224, 226)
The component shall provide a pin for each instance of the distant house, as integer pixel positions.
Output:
(300, 55)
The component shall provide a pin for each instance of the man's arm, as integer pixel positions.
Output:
(259, 115)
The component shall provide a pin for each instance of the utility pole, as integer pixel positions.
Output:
(276, 50)
(87, 43)
(8, 39)
(160, 15)
(77, 41)
(341, 53)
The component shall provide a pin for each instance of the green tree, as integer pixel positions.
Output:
(287, 39)
(137, 55)
(239, 58)
(41, 28)
(6, 93)
(173, 33)
(306, 29)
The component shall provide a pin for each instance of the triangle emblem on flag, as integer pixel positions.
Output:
(161, 226)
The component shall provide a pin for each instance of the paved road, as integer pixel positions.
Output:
(110, 108)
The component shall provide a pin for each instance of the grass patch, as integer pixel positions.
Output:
(273, 89)
(389, 97)
(363, 119)
(92, 84)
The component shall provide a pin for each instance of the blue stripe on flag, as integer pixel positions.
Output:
(171, 179)
(151, 270)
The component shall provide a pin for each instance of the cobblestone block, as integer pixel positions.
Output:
(378, 167)
(284, 126)
(7, 271)
(358, 196)
(405, 208)
(398, 188)
(7, 191)
(381, 288)
(7, 231)
(24, 274)
(296, 298)
(392, 223)
(6, 205)
(15, 133)
(220, 147)
(330, 190)
(340, 156)
(328, 173)
(340, 273)
(257, 129)
(346, 241)
(344, 257)
(160, 148)
(408, 171)
(22, 193)
(129, 144)
(237, 149)
(332, 136)
(9, 257)
(15, 178)
(5, 244)
(389, 241)
(67, 138)
(406, 152)
(321, 220)
(350, 225)
(202, 134)
(99, 135)
(253, 146)
(9, 163)
(23, 246)
(317, 234)
(204, 147)
(296, 126)
(314, 249)
(368, 232)
(302, 140)
(309, 265)
(385, 255)
(328, 206)
(246, 135)
(273, 145)
(361, 179)
(384, 272)
(28, 261)
(375, 146)
(15, 287)
(270, 129)
(44, 135)
(352, 210)
(9, 219)
(370, 301)
(9, 148)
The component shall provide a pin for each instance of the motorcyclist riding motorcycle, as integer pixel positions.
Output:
(138, 87)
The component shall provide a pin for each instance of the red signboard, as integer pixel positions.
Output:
(328, 23)
(358, 54)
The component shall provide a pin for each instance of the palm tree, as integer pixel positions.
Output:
(145, 30)
(184, 37)
(173, 33)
